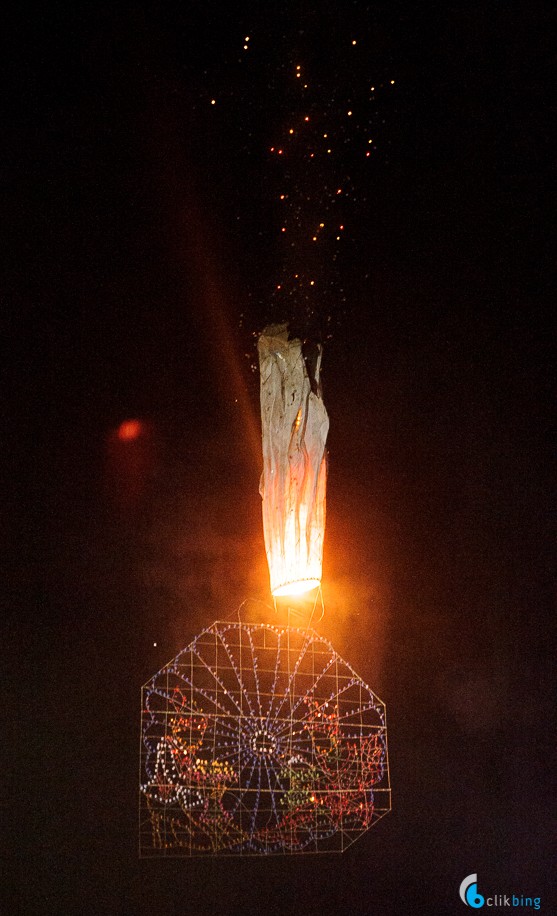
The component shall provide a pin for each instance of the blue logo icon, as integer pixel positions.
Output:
(469, 892)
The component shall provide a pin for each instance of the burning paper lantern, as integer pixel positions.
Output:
(295, 426)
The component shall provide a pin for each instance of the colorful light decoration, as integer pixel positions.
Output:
(259, 739)
(293, 483)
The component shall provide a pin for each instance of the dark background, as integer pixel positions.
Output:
(130, 290)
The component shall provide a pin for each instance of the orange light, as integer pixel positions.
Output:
(129, 430)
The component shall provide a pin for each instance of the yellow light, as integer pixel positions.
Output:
(213, 101)
(291, 131)
(296, 588)
(392, 82)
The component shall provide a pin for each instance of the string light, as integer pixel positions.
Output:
(239, 756)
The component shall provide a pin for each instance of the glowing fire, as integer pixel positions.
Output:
(293, 484)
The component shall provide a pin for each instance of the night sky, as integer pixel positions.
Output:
(142, 253)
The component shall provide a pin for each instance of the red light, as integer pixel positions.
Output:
(129, 430)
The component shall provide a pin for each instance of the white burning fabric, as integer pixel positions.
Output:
(293, 484)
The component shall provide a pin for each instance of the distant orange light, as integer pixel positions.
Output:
(129, 430)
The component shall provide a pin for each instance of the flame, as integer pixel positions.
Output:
(293, 483)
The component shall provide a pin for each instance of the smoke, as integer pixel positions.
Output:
(202, 552)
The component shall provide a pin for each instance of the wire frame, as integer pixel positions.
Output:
(259, 739)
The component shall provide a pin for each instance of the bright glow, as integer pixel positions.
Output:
(296, 588)
(295, 426)
(129, 430)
